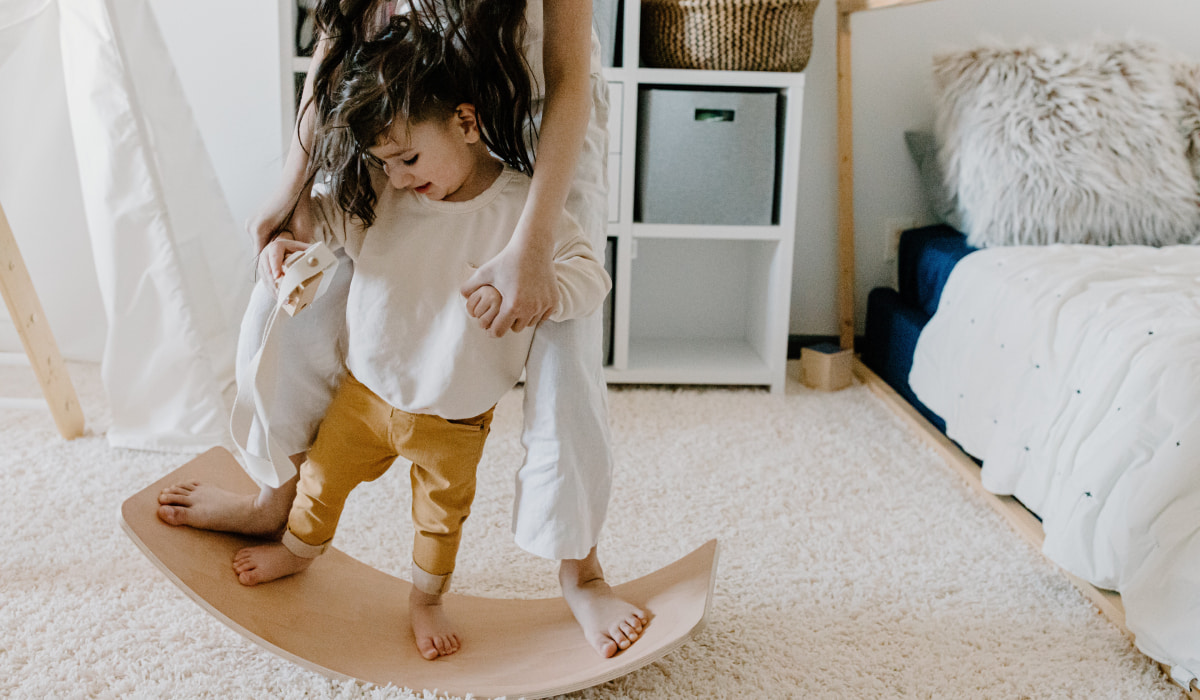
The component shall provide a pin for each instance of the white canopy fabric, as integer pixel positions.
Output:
(39, 186)
(173, 269)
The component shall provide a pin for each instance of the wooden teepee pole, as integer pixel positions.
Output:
(26, 312)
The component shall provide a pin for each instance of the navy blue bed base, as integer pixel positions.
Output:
(895, 317)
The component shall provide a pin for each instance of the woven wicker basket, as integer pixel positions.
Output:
(768, 35)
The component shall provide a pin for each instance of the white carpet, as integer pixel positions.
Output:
(853, 563)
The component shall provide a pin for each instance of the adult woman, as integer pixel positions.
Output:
(563, 487)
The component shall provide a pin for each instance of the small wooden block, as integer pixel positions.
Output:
(303, 296)
(826, 367)
(347, 620)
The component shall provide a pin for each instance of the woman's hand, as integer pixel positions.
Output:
(275, 213)
(524, 277)
(524, 270)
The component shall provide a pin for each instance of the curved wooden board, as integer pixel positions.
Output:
(347, 620)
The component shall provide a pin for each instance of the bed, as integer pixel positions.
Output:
(1051, 332)
(896, 317)
(1072, 375)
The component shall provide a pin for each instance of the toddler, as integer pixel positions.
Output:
(423, 375)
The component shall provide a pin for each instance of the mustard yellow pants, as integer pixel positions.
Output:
(359, 438)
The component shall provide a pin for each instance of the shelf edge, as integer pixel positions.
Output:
(847, 7)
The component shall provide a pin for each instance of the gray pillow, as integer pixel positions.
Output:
(943, 205)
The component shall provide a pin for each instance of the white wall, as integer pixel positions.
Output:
(232, 76)
(227, 54)
(893, 92)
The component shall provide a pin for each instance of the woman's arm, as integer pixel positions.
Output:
(523, 271)
(293, 188)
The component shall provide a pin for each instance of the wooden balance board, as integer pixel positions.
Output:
(347, 620)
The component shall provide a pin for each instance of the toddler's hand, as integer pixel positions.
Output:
(270, 261)
(483, 304)
(527, 284)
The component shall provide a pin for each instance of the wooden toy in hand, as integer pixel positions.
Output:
(303, 294)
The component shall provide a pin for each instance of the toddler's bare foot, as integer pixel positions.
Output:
(609, 623)
(210, 508)
(432, 629)
(267, 562)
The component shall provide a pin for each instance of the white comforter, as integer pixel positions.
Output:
(1073, 373)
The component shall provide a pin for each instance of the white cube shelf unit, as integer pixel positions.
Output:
(696, 303)
(693, 303)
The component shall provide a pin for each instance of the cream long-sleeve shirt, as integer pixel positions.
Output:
(410, 338)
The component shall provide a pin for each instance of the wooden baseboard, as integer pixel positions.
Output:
(1026, 523)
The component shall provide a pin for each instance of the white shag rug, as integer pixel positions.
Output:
(854, 563)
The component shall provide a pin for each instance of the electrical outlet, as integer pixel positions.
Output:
(893, 227)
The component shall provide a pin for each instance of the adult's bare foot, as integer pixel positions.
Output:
(267, 562)
(610, 623)
(431, 627)
(207, 507)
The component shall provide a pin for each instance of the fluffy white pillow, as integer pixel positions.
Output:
(1080, 144)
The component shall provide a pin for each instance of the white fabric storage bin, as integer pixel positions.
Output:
(706, 157)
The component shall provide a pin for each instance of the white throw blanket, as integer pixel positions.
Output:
(1073, 373)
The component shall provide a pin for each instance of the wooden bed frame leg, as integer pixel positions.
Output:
(26, 312)
(845, 140)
